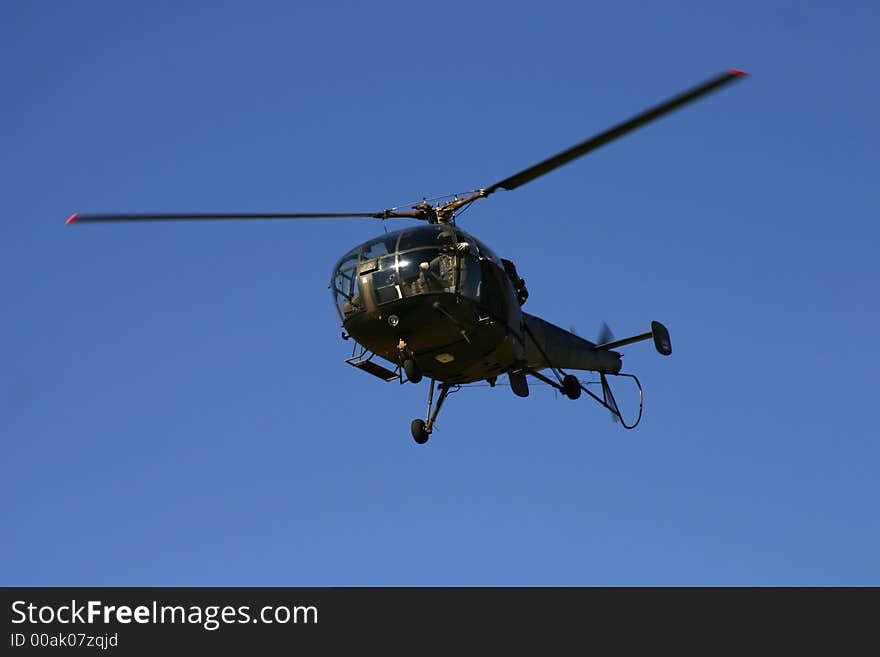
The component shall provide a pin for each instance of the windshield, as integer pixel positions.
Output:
(434, 258)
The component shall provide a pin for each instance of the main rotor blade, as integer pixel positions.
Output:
(618, 130)
(103, 218)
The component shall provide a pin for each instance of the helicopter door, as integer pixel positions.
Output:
(492, 289)
(368, 267)
(386, 282)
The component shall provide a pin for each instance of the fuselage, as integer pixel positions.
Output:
(438, 295)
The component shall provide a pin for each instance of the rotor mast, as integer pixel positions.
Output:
(444, 213)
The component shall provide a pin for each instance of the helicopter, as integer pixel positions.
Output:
(434, 301)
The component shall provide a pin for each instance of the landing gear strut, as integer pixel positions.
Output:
(421, 429)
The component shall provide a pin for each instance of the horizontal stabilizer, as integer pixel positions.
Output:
(658, 332)
(662, 342)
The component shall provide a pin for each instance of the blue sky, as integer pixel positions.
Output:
(174, 406)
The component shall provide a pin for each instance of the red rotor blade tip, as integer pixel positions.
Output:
(71, 218)
(737, 71)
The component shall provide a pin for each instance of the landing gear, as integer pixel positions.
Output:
(412, 370)
(419, 433)
(568, 384)
(413, 373)
(518, 383)
(421, 429)
(571, 387)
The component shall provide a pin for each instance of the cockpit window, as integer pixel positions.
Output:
(346, 293)
(386, 281)
(348, 261)
(427, 270)
(426, 259)
(426, 236)
(345, 286)
(486, 252)
(378, 248)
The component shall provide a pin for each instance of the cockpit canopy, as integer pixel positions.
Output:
(408, 262)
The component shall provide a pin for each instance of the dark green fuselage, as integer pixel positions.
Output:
(443, 298)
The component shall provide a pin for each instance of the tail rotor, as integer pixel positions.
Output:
(605, 336)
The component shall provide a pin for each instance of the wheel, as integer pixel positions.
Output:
(419, 433)
(413, 373)
(571, 387)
